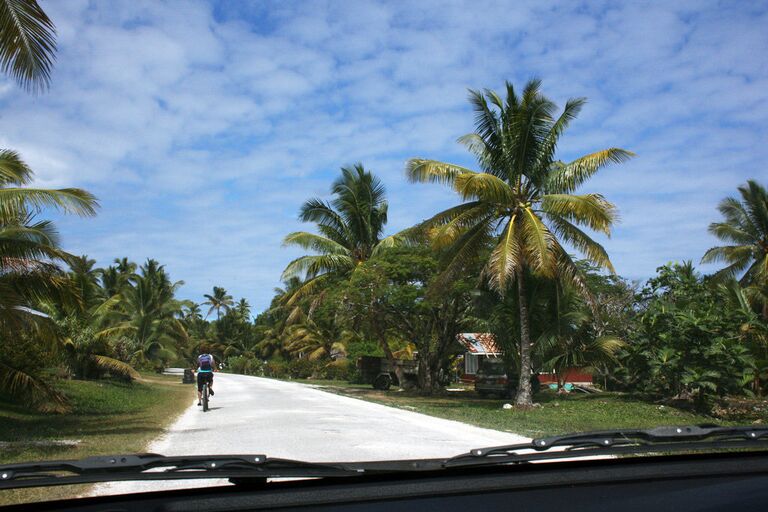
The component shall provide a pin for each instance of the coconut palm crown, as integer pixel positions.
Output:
(218, 301)
(745, 229)
(350, 229)
(522, 201)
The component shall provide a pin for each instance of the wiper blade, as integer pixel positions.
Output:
(620, 441)
(258, 468)
(158, 467)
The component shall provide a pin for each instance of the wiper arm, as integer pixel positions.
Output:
(251, 468)
(620, 441)
(159, 467)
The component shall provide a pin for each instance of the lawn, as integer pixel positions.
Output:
(555, 414)
(107, 417)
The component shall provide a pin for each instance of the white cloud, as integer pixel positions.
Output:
(203, 126)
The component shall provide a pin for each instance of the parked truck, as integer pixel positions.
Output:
(380, 372)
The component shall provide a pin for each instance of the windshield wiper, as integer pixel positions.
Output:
(237, 468)
(258, 468)
(620, 441)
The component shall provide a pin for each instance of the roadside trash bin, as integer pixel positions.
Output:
(189, 377)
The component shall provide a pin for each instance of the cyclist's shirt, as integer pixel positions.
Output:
(205, 363)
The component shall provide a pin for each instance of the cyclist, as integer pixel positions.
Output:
(206, 365)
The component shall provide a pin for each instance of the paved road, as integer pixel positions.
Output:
(291, 420)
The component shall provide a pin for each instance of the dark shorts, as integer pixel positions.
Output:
(202, 378)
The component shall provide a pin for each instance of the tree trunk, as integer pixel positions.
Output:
(426, 384)
(392, 359)
(524, 395)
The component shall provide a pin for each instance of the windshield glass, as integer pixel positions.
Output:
(491, 366)
(313, 230)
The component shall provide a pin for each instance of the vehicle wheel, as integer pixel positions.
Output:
(382, 382)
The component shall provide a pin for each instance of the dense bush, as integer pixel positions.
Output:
(303, 368)
(245, 365)
(340, 369)
(276, 368)
(687, 342)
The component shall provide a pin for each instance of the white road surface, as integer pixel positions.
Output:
(289, 420)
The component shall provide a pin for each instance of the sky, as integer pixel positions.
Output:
(203, 126)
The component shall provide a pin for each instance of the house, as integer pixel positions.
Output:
(479, 345)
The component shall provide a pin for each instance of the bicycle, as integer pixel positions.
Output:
(205, 397)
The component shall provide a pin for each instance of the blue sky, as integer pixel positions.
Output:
(203, 126)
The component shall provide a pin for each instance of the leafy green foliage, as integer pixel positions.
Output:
(398, 299)
(27, 43)
(745, 229)
(686, 342)
(522, 201)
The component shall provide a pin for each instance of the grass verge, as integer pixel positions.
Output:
(107, 417)
(555, 414)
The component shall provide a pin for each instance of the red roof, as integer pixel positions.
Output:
(479, 342)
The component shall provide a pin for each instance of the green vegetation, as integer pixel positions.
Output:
(27, 44)
(106, 417)
(522, 204)
(554, 414)
(497, 262)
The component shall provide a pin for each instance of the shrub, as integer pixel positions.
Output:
(245, 365)
(276, 369)
(341, 369)
(302, 368)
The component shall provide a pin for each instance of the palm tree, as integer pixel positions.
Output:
(745, 228)
(218, 301)
(148, 314)
(316, 341)
(566, 340)
(85, 278)
(522, 202)
(350, 230)
(27, 43)
(30, 271)
(125, 267)
(192, 312)
(116, 277)
(754, 327)
(109, 281)
(243, 309)
(277, 318)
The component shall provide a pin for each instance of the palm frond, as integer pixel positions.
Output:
(320, 212)
(308, 288)
(466, 247)
(728, 232)
(13, 170)
(419, 170)
(591, 210)
(582, 242)
(30, 389)
(442, 236)
(314, 265)
(69, 200)
(549, 145)
(566, 178)
(27, 43)
(115, 367)
(483, 186)
(314, 242)
(506, 258)
(408, 237)
(539, 243)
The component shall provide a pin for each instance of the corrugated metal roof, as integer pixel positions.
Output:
(480, 343)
